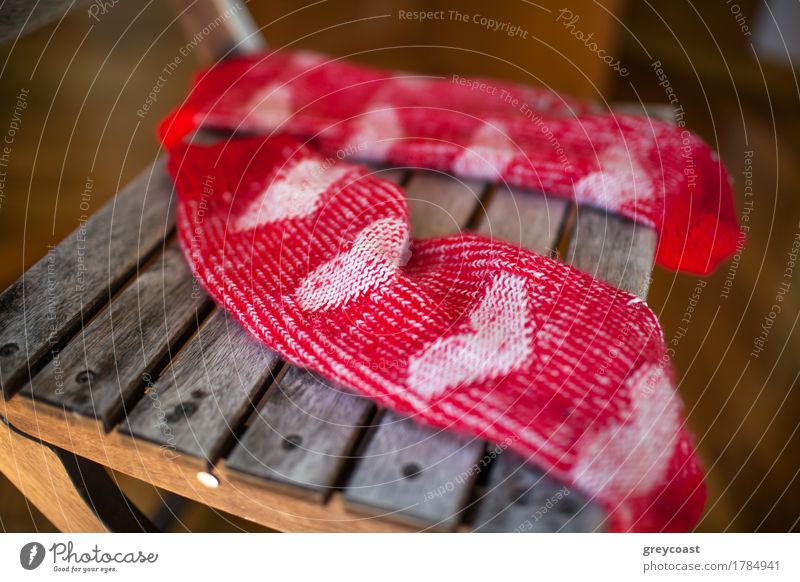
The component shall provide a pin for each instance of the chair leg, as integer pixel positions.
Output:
(75, 494)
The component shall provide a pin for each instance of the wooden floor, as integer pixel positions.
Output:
(76, 145)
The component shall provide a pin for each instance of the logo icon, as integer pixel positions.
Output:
(31, 555)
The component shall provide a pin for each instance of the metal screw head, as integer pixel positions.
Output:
(9, 349)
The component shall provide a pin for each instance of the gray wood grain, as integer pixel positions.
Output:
(525, 218)
(439, 205)
(521, 498)
(414, 474)
(613, 249)
(303, 436)
(47, 304)
(200, 400)
(106, 365)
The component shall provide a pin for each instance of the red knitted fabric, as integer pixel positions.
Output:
(462, 332)
(654, 173)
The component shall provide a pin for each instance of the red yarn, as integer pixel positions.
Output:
(649, 171)
(462, 332)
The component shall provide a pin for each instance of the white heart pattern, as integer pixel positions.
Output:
(619, 180)
(295, 194)
(488, 154)
(375, 257)
(500, 341)
(272, 106)
(631, 456)
(374, 133)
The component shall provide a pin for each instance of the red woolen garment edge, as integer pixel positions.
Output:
(462, 332)
(659, 175)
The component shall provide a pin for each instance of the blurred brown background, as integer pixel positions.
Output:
(82, 80)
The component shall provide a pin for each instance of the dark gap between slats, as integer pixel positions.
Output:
(173, 351)
(200, 319)
(256, 404)
(567, 230)
(478, 490)
(479, 213)
(359, 445)
(159, 365)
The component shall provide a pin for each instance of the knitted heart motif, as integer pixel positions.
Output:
(621, 180)
(463, 332)
(488, 154)
(294, 194)
(371, 262)
(499, 340)
(272, 105)
(375, 133)
(633, 454)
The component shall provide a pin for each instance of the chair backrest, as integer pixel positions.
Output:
(221, 27)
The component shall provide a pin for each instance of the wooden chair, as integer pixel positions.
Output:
(111, 356)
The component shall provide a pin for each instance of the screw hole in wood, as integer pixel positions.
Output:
(9, 349)
(181, 411)
(292, 441)
(85, 376)
(411, 471)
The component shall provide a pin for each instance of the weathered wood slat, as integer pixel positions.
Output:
(303, 435)
(47, 304)
(211, 384)
(439, 205)
(414, 474)
(613, 249)
(521, 498)
(104, 367)
(525, 218)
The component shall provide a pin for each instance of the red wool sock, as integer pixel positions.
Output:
(649, 171)
(462, 332)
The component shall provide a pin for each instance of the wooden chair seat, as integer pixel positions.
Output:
(109, 350)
